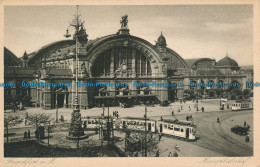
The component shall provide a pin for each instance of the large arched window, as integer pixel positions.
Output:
(119, 59)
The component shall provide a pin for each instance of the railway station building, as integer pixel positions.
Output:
(115, 58)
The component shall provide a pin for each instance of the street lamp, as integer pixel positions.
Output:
(145, 117)
(80, 36)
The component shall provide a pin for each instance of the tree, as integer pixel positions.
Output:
(11, 120)
(136, 142)
(39, 119)
(212, 93)
(246, 93)
(219, 91)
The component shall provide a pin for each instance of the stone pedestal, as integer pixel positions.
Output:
(123, 30)
(76, 130)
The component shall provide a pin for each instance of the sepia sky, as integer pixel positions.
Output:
(193, 31)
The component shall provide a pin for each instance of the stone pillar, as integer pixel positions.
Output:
(163, 91)
(56, 100)
(47, 98)
(112, 57)
(83, 97)
(133, 63)
(65, 101)
(180, 93)
(132, 88)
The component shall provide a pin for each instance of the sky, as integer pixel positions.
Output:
(193, 31)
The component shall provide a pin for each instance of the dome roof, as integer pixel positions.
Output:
(161, 41)
(227, 61)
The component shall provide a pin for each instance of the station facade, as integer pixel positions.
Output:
(116, 58)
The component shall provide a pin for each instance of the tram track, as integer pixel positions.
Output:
(215, 138)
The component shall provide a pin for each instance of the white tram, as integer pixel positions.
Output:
(134, 123)
(95, 122)
(182, 129)
(242, 105)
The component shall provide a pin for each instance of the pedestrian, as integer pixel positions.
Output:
(218, 120)
(175, 154)
(37, 134)
(202, 109)
(177, 147)
(160, 137)
(117, 115)
(247, 138)
(25, 135)
(157, 153)
(161, 118)
(29, 134)
(26, 115)
(187, 118)
(172, 113)
(244, 123)
(170, 154)
(85, 124)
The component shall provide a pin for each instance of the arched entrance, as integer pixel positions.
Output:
(59, 97)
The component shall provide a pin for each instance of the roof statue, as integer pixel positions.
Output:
(124, 21)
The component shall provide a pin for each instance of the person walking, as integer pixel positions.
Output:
(158, 153)
(160, 137)
(202, 109)
(25, 135)
(175, 154)
(218, 120)
(247, 138)
(37, 134)
(29, 134)
(170, 154)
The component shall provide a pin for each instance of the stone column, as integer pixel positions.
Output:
(133, 62)
(112, 57)
(65, 100)
(56, 100)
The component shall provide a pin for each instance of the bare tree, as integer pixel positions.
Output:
(11, 120)
(39, 119)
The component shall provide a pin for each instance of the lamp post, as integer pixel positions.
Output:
(80, 36)
(145, 117)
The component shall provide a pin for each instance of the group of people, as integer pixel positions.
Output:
(115, 114)
(174, 154)
(189, 118)
(27, 135)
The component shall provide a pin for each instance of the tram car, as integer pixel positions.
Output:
(95, 122)
(182, 129)
(134, 123)
(242, 105)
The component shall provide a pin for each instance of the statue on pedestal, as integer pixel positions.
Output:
(124, 21)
